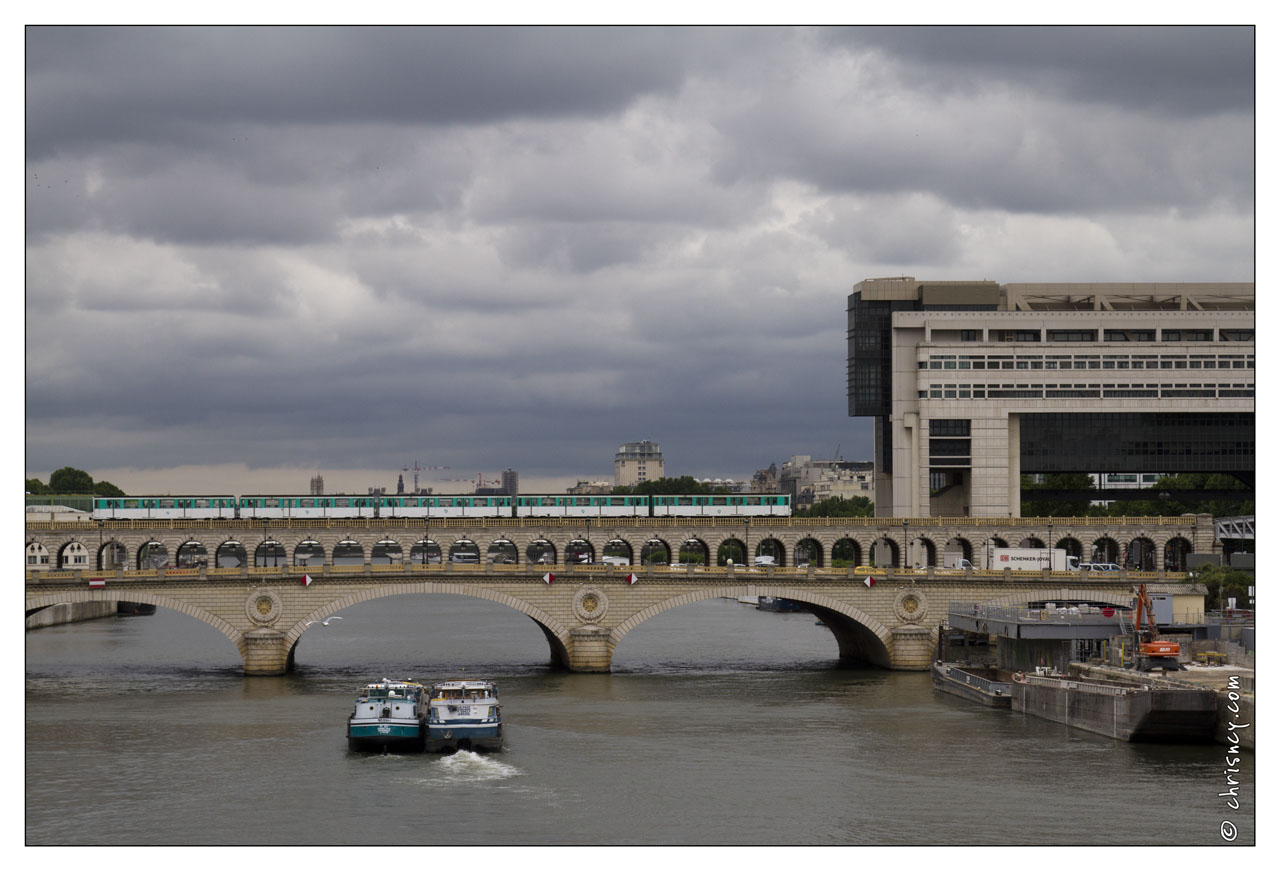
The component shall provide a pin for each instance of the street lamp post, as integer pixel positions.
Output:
(746, 541)
(904, 543)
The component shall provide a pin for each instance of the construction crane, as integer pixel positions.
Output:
(1152, 652)
(416, 469)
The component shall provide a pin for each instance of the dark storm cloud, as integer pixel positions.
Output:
(173, 83)
(346, 248)
(1175, 70)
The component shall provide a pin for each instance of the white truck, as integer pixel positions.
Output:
(1031, 559)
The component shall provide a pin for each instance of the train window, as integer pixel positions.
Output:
(342, 503)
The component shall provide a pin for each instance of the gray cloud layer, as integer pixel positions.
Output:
(520, 247)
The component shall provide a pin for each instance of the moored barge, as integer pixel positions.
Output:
(1157, 711)
(986, 686)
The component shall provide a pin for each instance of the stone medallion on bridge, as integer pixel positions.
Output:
(263, 607)
(590, 604)
(911, 606)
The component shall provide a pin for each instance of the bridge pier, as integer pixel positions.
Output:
(913, 647)
(265, 653)
(589, 649)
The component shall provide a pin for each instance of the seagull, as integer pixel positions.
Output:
(322, 622)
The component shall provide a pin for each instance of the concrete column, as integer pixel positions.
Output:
(265, 653)
(911, 422)
(589, 649)
(1015, 465)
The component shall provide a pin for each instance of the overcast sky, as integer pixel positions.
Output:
(257, 254)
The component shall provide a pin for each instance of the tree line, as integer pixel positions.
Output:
(72, 480)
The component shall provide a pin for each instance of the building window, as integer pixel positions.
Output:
(1235, 335)
(1129, 335)
(1186, 335)
(1073, 335)
(968, 335)
(948, 427)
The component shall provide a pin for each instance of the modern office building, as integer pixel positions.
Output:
(973, 383)
(637, 461)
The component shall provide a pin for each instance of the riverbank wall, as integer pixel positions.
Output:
(69, 612)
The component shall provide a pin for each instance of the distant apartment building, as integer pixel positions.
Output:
(807, 480)
(971, 384)
(637, 461)
(765, 480)
(511, 482)
(590, 488)
(317, 485)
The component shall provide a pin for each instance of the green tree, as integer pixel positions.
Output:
(1223, 583)
(106, 488)
(70, 480)
(684, 485)
(35, 486)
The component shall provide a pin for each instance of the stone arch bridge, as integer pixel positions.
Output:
(584, 612)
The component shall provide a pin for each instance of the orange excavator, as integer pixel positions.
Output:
(1152, 652)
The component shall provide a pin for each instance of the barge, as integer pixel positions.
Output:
(464, 715)
(984, 685)
(389, 715)
(1149, 710)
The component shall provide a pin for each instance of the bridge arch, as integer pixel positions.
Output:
(774, 548)
(731, 550)
(37, 555)
(1071, 545)
(192, 553)
(73, 555)
(1175, 554)
(846, 552)
(231, 549)
(1142, 554)
(694, 550)
(152, 554)
(809, 550)
(860, 636)
(1105, 550)
(957, 547)
(655, 551)
(308, 552)
(36, 602)
(556, 633)
(619, 547)
(540, 552)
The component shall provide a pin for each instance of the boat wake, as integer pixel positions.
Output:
(465, 766)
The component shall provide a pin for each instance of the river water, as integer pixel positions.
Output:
(720, 724)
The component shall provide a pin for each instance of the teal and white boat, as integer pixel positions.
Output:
(390, 715)
(464, 715)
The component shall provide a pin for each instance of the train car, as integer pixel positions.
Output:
(735, 505)
(163, 507)
(445, 506)
(564, 505)
(265, 506)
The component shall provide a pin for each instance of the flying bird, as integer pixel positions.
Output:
(321, 622)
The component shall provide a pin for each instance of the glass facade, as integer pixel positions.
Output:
(1168, 442)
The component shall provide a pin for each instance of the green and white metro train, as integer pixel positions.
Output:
(545, 505)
